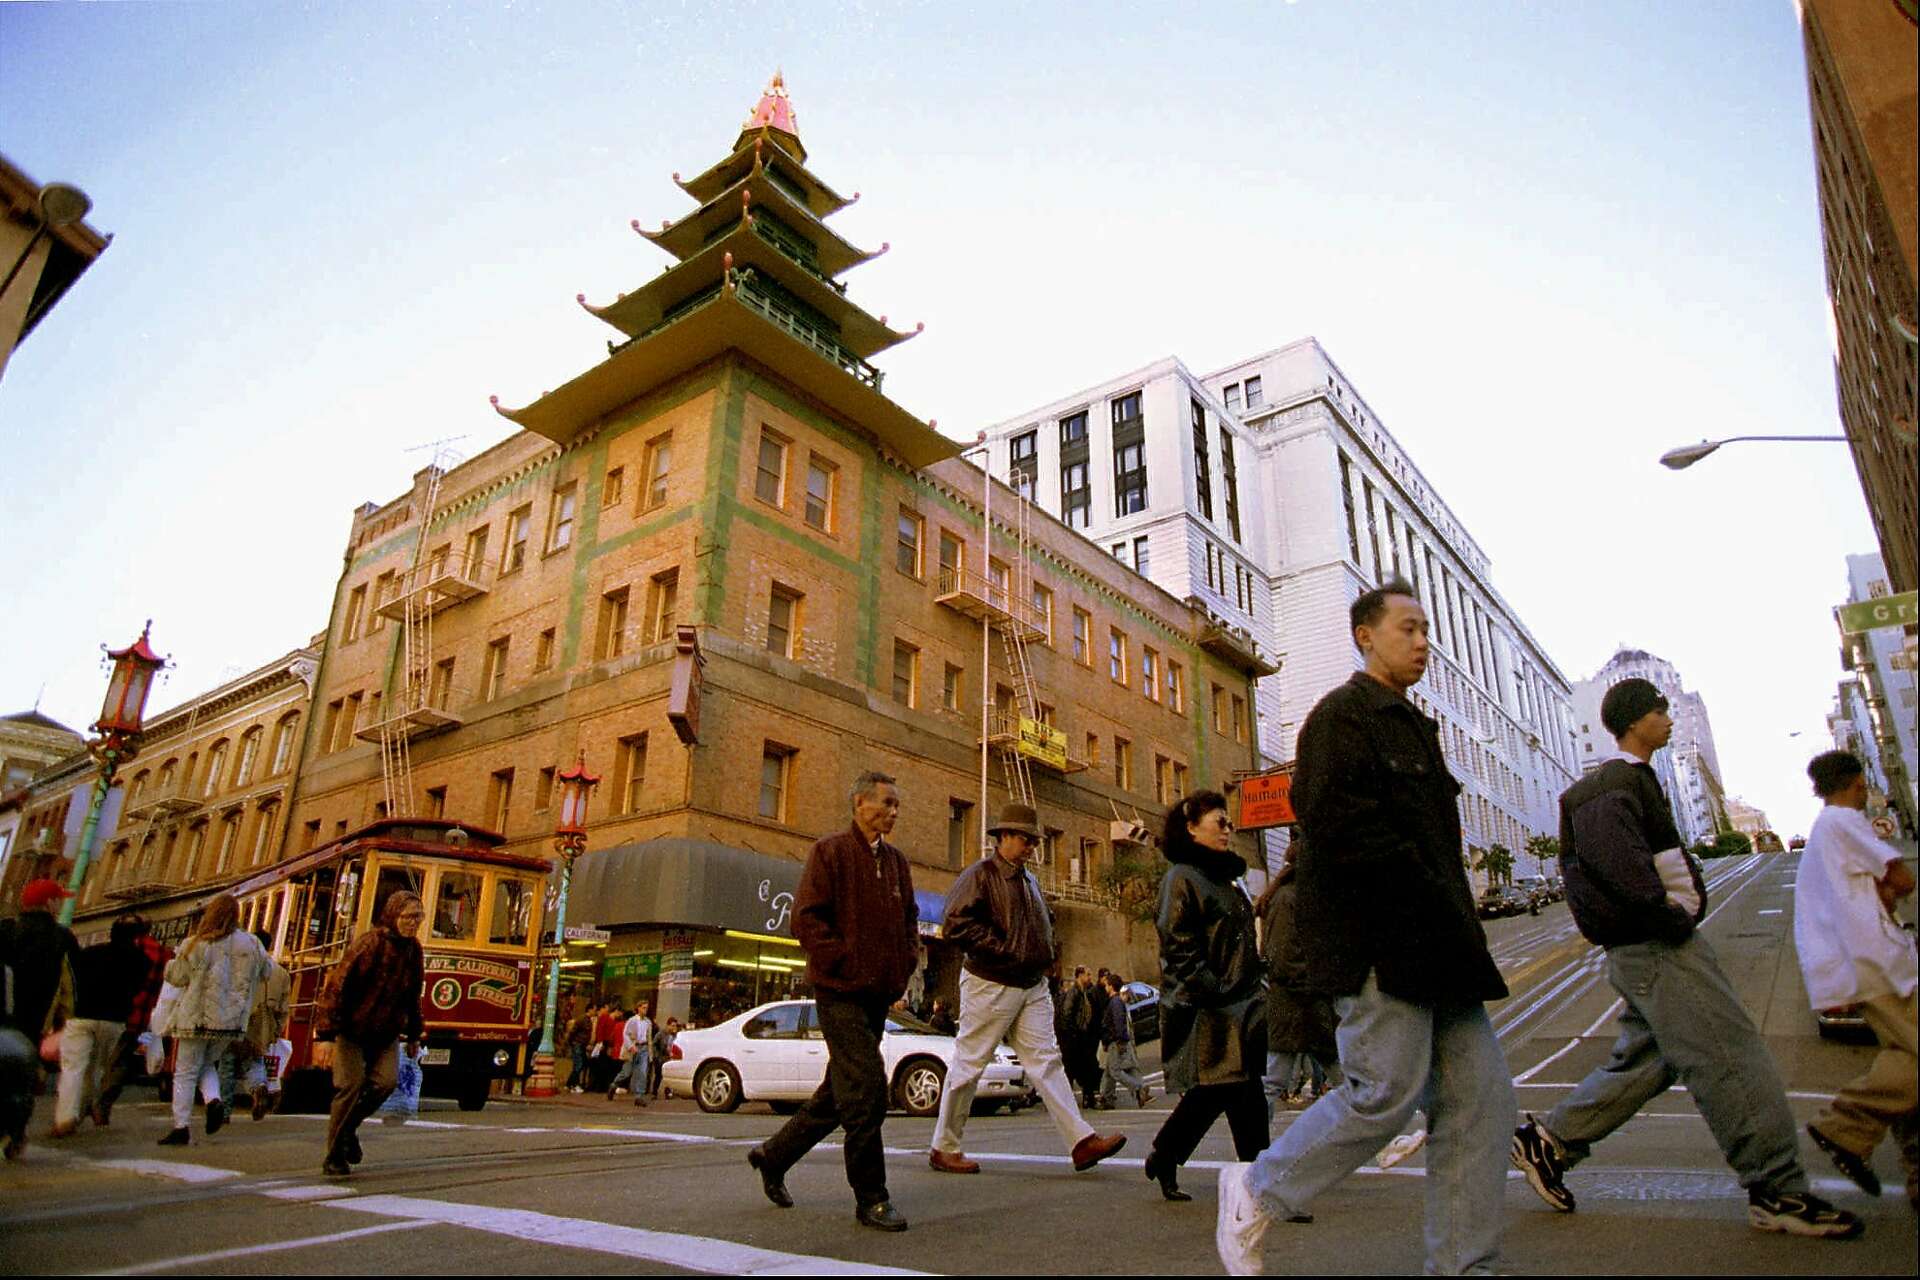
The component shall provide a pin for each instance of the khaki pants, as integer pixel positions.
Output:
(990, 1012)
(1886, 1096)
(86, 1047)
(362, 1079)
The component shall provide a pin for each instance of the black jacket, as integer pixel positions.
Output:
(1116, 1024)
(1383, 883)
(1299, 1020)
(1612, 823)
(106, 977)
(1212, 991)
(855, 917)
(39, 950)
(995, 915)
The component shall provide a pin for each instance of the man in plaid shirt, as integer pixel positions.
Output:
(127, 1055)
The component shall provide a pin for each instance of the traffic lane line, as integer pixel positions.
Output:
(196, 1260)
(705, 1254)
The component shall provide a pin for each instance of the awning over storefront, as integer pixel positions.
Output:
(681, 880)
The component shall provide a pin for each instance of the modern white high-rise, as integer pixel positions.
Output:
(1270, 493)
(1688, 766)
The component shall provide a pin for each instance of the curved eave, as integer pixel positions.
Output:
(685, 238)
(715, 327)
(863, 334)
(822, 201)
(787, 142)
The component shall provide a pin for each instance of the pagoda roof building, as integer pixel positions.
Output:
(756, 272)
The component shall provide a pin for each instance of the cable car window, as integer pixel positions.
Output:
(456, 907)
(513, 900)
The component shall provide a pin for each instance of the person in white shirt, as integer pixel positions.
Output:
(636, 1040)
(1853, 952)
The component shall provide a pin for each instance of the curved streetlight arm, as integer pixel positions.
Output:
(1687, 454)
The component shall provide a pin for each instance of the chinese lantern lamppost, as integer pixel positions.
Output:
(570, 840)
(119, 728)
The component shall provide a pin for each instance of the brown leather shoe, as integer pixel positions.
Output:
(1094, 1148)
(951, 1162)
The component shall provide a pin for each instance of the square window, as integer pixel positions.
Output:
(629, 773)
(776, 773)
(496, 674)
(822, 479)
(952, 688)
(543, 650)
(770, 473)
(908, 534)
(610, 634)
(656, 465)
(543, 789)
(1150, 673)
(1082, 636)
(906, 674)
(662, 591)
(1116, 655)
(613, 487)
(515, 554)
(560, 520)
(783, 621)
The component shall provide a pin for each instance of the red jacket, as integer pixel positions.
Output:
(606, 1031)
(855, 916)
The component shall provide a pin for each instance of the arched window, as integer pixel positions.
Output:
(196, 845)
(264, 826)
(229, 841)
(283, 736)
(249, 756)
(216, 761)
(186, 774)
(139, 785)
(167, 771)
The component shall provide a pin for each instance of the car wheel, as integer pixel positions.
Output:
(717, 1087)
(919, 1085)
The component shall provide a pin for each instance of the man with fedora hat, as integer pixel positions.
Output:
(996, 916)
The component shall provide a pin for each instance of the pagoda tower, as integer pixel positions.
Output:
(757, 271)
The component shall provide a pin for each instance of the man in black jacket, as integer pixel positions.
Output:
(854, 916)
(1633, 890)
(1386, 919)
(998, 919)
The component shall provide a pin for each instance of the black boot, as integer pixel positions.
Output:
(1167, 1175)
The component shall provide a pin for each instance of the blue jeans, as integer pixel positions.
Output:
(633, 1074)
(1400, 1057)
(1683, 1023)
(578, 1076)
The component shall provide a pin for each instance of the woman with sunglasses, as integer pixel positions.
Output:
(1212, 992)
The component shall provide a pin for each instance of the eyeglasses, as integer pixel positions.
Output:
(1226, 823)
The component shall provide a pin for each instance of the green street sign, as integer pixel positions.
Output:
(1902, 610)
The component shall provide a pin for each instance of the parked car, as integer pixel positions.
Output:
(1506, 900)
(1538, 894)
(776, 1054)
(1143, 1011)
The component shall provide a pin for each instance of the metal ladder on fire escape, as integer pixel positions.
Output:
(1010, 624)
(416, 653)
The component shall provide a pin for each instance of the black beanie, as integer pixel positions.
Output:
(1627, 701)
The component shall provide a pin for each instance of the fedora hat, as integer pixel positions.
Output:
(1018, 818)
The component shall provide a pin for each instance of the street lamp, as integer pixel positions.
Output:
(61, 205)
(570, 839)
(1688, 454)
(119, 728)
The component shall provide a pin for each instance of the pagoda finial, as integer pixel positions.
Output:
(774, 110)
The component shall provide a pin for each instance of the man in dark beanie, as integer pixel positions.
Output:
(1634, 891)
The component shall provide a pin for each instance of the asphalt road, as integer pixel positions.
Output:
(583, 1186)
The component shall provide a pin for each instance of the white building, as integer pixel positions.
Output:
(1688, 766)
(1271, 494)
(1748, 819)
(1888, 703)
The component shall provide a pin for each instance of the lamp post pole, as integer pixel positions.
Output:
(119, 728)
(570, 841)
(1687, 454)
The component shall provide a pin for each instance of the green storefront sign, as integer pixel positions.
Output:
(645, 966)
(1870, 615)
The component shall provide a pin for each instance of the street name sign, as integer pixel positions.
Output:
(1887, 611)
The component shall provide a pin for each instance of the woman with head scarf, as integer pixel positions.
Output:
(1212, 992)
(218, 971)
(369, 1003)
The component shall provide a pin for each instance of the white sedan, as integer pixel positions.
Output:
(776, 1054)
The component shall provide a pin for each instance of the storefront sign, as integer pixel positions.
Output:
(676, 961)
(683, 698)
(1266, 800)
(1042, 742)
(645, 967)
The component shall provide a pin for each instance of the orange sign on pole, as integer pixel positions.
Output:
(1266, 800)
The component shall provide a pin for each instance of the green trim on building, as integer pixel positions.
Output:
(725, 432)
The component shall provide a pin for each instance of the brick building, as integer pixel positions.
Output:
(732, 474)
(1861, 89)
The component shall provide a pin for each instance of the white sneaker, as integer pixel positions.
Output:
(1240, 1229)
(1400, 1148)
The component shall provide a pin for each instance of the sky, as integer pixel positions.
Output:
(1545, 241)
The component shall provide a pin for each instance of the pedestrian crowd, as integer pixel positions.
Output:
(1355, 987)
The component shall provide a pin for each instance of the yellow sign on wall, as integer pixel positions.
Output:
(1042, 742)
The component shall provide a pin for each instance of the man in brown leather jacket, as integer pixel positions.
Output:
(996, 916)
(855, 917)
